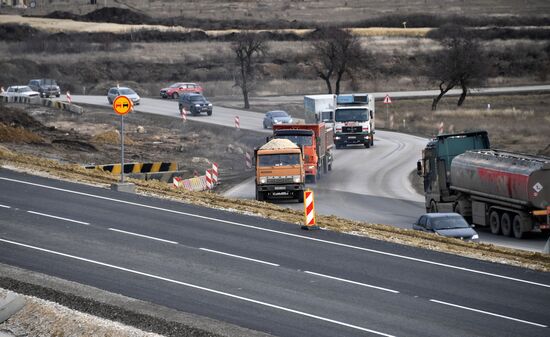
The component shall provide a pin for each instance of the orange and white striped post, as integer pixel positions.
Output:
(309, 211)
(209, 179)
(214, 174)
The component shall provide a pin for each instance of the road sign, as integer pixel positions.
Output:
(122, 105)
(387, 99)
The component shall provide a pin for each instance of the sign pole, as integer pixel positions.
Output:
(121, 148)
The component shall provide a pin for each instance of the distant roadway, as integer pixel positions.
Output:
(365, 184)
(259, 273)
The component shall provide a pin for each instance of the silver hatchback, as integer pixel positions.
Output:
(122, 91)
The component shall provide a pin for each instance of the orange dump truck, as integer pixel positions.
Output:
(279, 170)
(317, 141)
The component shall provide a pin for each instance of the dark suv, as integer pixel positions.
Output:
(45, 86)
(195, 104)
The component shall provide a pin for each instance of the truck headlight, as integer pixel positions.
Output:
(297, 179)
(209, 104)
(263, 180)
(197, 105)
(311, 167)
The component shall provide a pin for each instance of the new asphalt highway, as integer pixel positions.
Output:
(257, 273)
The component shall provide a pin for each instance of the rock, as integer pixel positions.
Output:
(200, 160)
(140, 129)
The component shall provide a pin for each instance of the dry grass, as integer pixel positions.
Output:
(9, 134)
(488, 252)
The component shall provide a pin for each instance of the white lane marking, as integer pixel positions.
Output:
(58, 217)
(4, 206)
(353, 282)
(239, 257)
(143, 236)
(439, 264)
(218, 292)
(488, 313)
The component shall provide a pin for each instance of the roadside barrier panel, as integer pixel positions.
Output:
(309, 211)
(137, 167)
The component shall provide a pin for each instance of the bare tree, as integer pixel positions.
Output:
(461, 62)
(336, 53)
(247, 48)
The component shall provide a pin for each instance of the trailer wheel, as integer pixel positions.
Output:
(506, 224)
(260, 196)
(494, 222)
(516, 227)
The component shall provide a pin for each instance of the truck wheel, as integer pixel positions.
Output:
(367, 144)
(325, 166)
(330, 167)
(506, 224)
(300, 195)
(372, 141)
(516, 227)
(494, 222)
(260, 195)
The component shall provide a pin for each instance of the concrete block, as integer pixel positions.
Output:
(10, 304)
(124, 187)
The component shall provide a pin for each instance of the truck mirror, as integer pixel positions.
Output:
(371, 115)
(419, 168)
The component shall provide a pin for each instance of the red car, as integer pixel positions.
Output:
(180, 88)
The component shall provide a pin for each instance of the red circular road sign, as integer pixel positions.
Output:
(122, 105)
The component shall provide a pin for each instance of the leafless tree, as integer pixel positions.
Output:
(461, 62)
(336, 53)
(248, 47)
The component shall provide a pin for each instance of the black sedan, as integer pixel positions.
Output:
(450, 225)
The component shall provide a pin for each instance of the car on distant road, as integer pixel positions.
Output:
(450, 225)
(123, 91)
(195, 104)
(45, 86)
(21, 90)
(177, 89)
(276, 117)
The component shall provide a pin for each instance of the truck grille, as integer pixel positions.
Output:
(351, 129)
(279, 180)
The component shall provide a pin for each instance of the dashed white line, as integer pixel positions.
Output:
(143, 236)
(245, 299)
(239, 257)
(488, 313)
(4, 206)
(409, 258)
(58, 217)
(353, 282)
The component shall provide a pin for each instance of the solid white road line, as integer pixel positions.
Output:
(284, 233)
(142, 236)
(352, 282)
(246, 299)
(4, 206)
(239, 257)
(58, 217)
(489, 313)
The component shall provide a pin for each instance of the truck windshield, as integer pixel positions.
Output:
(351, 115)
(279, 159)
(299, 140)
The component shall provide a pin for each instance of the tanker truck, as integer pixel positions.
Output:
(509, 192)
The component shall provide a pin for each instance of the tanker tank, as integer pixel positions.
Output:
(518, 178)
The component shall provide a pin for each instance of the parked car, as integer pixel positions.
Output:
(195, 104)
(450, 225)
(177, 89)
(122, 91)
(45, 86)
(276, 117)
(21, 90)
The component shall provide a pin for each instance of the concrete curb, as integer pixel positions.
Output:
(10, 305)
(140, 314)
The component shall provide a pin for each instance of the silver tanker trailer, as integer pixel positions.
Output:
(510, 192)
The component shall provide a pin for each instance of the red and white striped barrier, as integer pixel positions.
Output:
(177, 181)
(69, 98)
(237, 122)
(209, 179)
(248, 160)
(309, 210)
(441, 128)
(183, 114)
(214, 174)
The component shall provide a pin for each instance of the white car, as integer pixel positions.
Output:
(20, 91)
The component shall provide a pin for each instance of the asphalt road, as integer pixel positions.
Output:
(257, 273)
(366, 184)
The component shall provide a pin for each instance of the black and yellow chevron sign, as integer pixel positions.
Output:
(137, 167)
